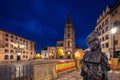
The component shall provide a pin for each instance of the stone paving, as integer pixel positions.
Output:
(75, 75)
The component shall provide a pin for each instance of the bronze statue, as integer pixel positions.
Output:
(94, 63)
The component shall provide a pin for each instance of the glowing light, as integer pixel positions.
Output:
(60, 52)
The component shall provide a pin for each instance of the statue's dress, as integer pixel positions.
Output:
(94, 66)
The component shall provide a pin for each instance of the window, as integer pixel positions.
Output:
(102, 24)
(6, 39)
(103, 31)
(23, 56)
(116, 42)
(6, 35)
(11, 51)
(23, 40)
(116, 23)
(20, 39)
(11, 40)
(23, 51)
(68, 44)
(6, 45)
(116, 12)
(106, 21)
(99, 27)
(107, 45)
(68, 35)
(6, 50)
(11, 36)
(26, 56)
(107, 37)
(102, 45)
(11, 56)
(11, 46)
(102, 38)
(16, 38)
(26, 41)
(107, 28)
(6, 57)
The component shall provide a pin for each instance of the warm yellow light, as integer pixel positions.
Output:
(78, 55)
(38, 56)
(113, 30)
(68, 53)
(19, 54)
(50, 54)
(60, 52)
(22, 46)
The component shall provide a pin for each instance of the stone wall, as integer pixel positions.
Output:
(44, 70)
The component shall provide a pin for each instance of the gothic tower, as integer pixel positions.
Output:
(69, 38)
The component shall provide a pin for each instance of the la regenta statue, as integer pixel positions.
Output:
(94, 63)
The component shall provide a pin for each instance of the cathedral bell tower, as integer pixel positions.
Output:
(69, 39)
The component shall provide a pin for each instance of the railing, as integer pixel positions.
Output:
(16, 72)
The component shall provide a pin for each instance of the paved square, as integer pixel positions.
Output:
(75, 75)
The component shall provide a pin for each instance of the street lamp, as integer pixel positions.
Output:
(50, 55)
(113, 31)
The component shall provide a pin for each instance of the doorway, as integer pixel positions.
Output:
(18, 57)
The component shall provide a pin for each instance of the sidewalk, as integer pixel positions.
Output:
(75, 75)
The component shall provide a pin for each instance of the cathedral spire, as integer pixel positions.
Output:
(68, 21)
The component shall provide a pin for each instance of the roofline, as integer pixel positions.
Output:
(15, 34)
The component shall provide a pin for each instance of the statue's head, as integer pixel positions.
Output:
(93, 41)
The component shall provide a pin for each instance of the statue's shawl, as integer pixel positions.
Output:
(93, 57)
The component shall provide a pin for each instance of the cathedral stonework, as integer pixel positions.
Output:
(69, 36)
(64, 49)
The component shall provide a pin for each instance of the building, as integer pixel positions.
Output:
(64, 48)
(15, 48)
(44, 54)
(109, 18)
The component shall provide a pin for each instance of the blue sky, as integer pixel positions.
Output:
(42, 21)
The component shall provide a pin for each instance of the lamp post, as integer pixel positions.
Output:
(113, 31)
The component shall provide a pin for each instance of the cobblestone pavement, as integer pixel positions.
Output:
(75, 75)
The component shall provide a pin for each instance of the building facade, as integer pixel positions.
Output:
(64, 48)
(15, 48)
(109, 18)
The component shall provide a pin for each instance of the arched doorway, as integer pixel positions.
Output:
(68, 54)
(60, 53)
(53, 55)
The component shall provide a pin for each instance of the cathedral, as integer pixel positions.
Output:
(64, 49)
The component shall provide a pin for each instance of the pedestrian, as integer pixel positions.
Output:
(94, 63)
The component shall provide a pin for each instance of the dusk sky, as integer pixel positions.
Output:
(43, 21)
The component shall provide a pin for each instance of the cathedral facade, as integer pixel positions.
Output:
(64, 49)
